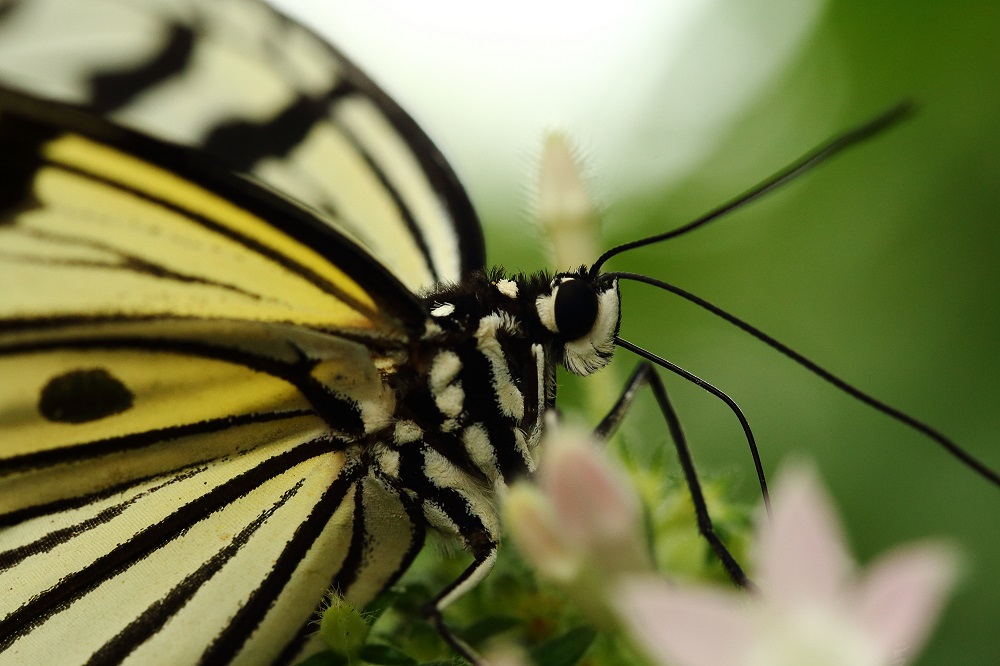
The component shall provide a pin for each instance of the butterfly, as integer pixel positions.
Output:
(250, 349)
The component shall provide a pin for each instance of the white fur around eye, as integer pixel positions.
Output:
(594, 350)
(545, 305)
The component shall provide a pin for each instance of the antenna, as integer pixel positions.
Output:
(804, 164)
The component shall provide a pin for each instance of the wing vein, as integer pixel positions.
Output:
(73, 587)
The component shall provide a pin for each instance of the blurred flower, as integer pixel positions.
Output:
(570, 221)
(812, 609)
(581, 526)
(564, 206)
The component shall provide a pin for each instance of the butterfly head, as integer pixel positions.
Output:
(583, 313)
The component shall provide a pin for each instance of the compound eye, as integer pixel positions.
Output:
(575, 308)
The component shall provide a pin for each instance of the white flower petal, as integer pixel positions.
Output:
(801, 556)
(684, 625)
(533, 525)
(901, 596)
(593, 499)
(810, 610)
(818, 636)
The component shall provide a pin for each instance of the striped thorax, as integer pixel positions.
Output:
(470, 402)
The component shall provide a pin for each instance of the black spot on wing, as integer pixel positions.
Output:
(81, 396)
(342, 413)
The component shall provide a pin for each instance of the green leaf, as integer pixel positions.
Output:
(386, 655)
(326, 658)
(383, 602)
(489, 627)
(565, 650)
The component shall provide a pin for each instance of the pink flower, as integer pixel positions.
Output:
(581, 525)
(813, 608)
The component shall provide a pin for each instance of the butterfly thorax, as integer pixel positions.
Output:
(471, 399)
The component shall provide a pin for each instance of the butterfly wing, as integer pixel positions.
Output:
(226, 561)
(187, 356)
(263, 95)
(188, 366)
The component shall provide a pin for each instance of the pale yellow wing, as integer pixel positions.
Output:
(188, 383)
(102, 223)
(223, 561)
(263, 95)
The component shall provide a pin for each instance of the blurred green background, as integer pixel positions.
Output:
(882, 265)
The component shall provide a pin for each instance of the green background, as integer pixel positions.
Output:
(882, 266)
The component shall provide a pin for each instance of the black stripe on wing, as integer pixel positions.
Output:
(96, 449)
(240, 144)
(451, 193)
(229, 642)
(46, 119)
(112, 90)
(74, 586)
(443, 180)
(353, 566)
(127, 261)
(355, 562)
(14, 556)
(134, 441)
(56, 325)
(245, 144)
(352, 561)
(154, 617)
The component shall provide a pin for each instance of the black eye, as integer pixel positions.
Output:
(575, 308)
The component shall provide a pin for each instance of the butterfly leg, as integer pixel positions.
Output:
(485, 557)
(645, 375)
